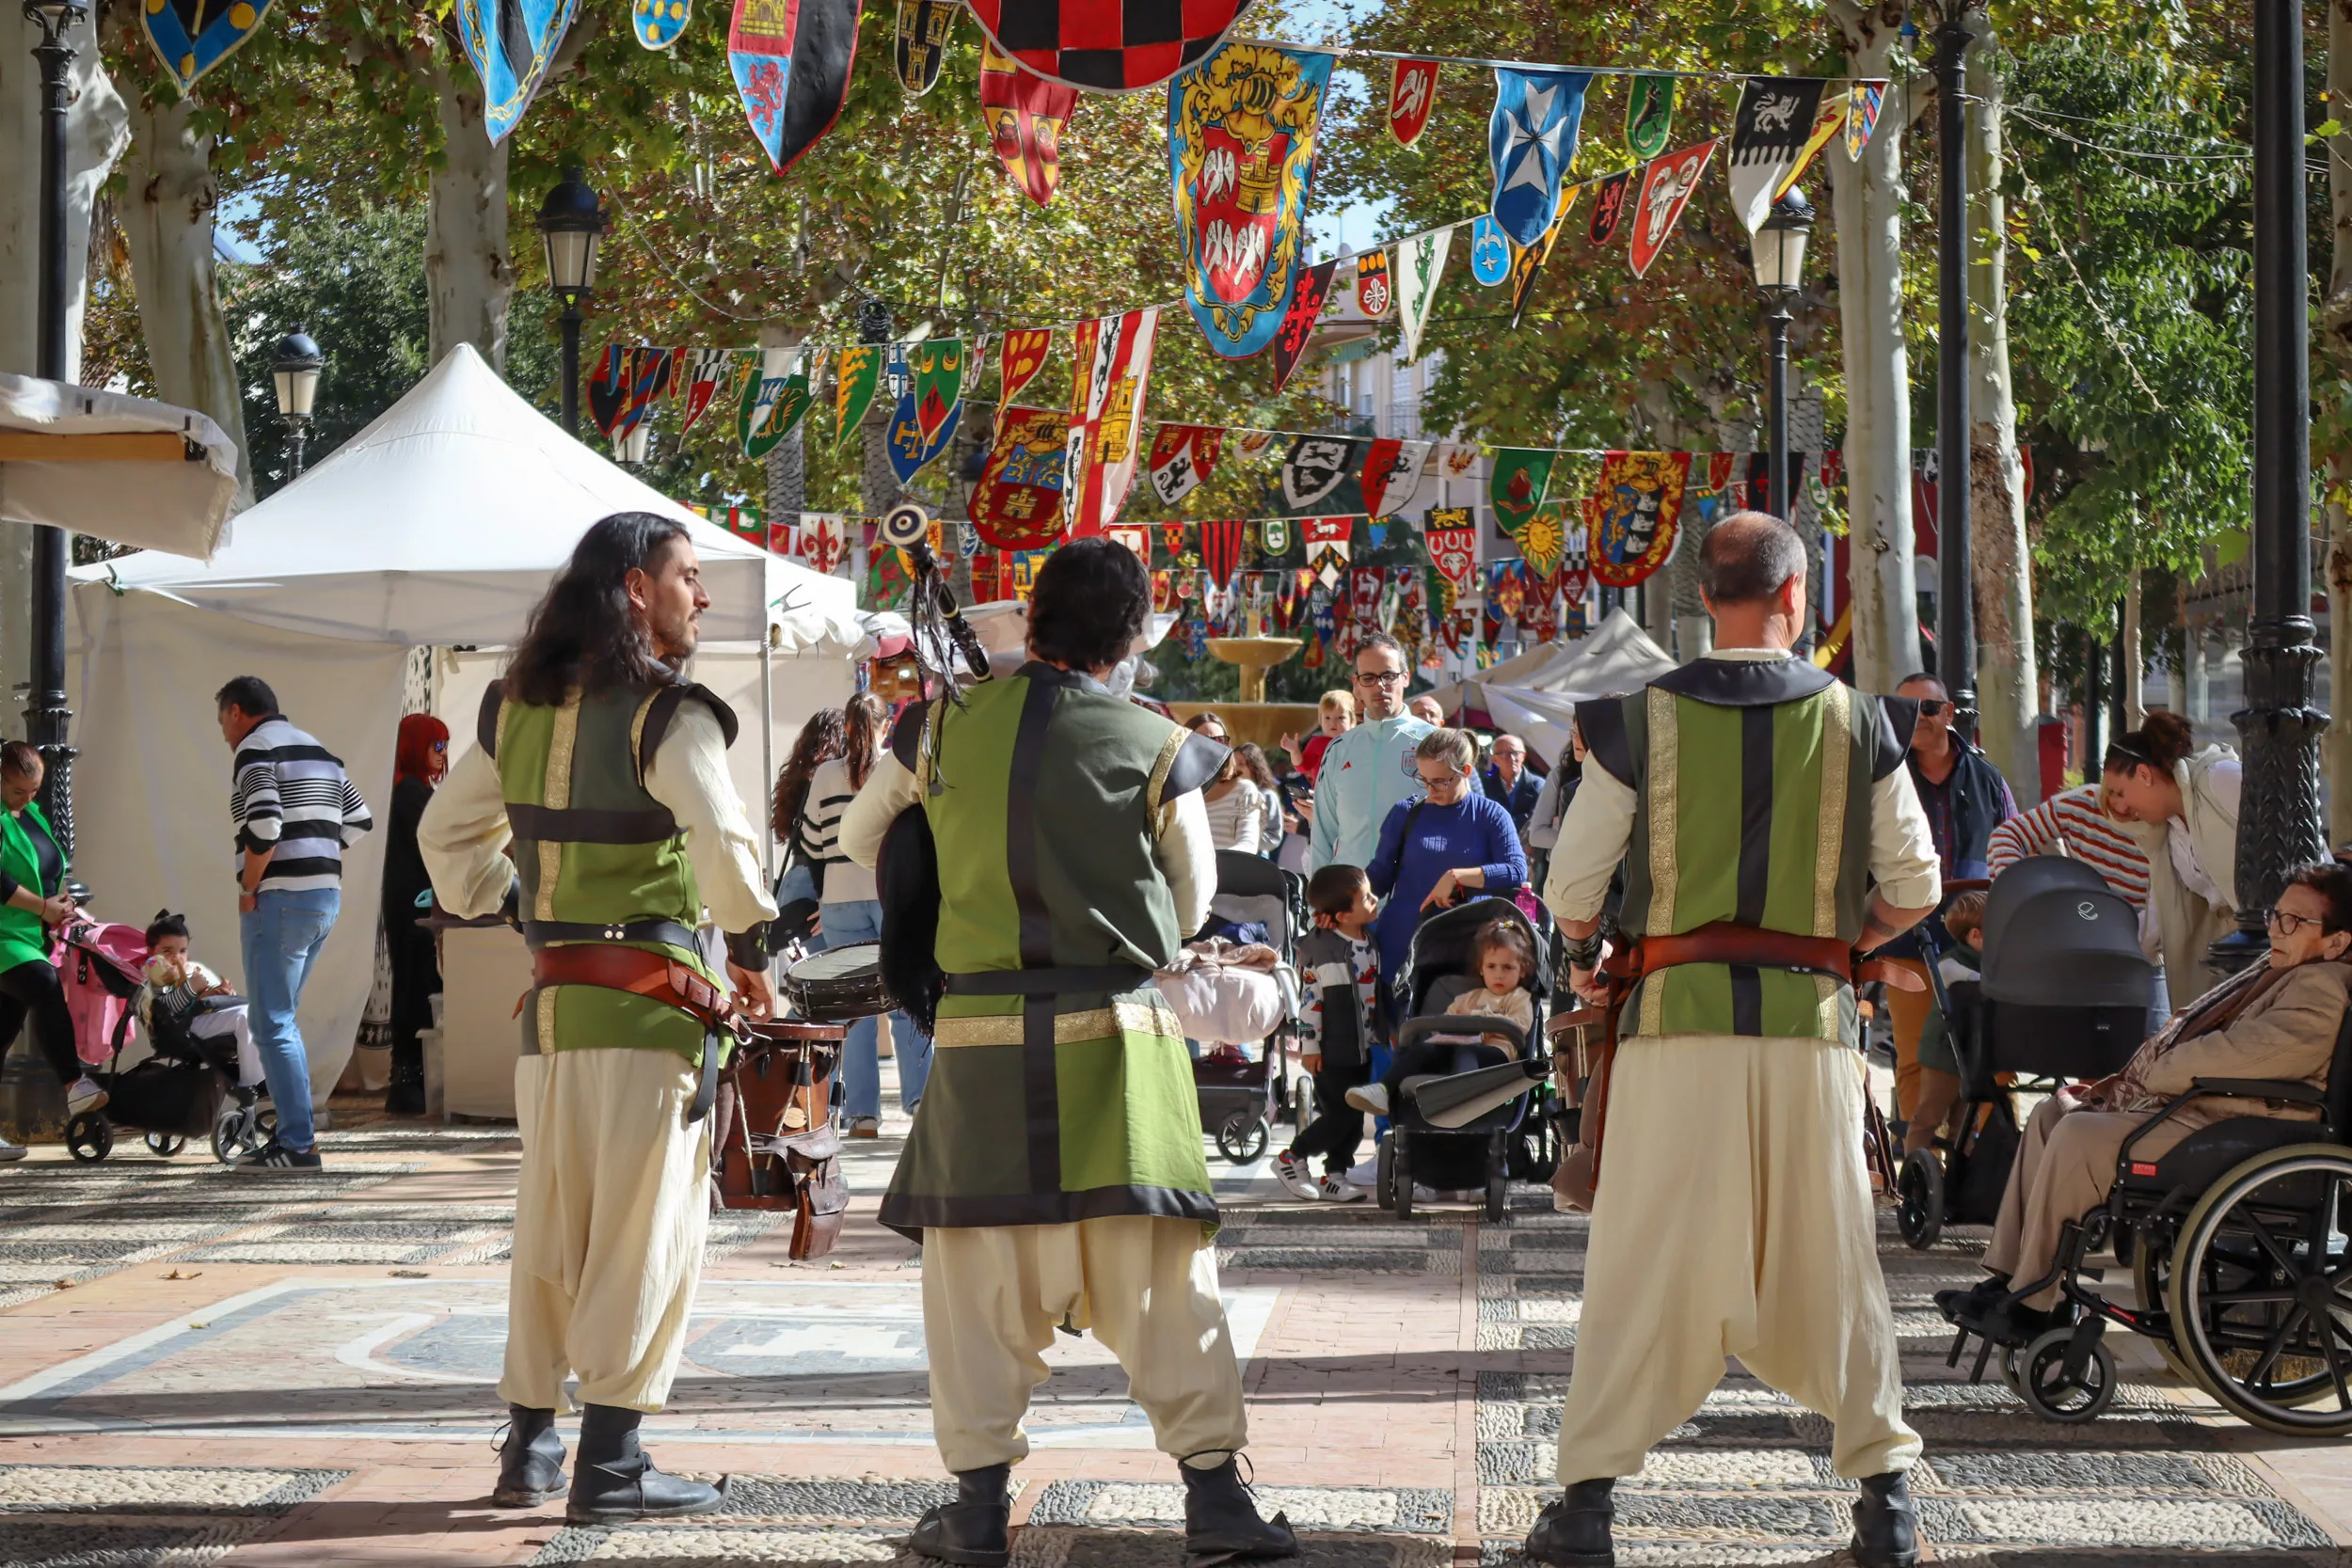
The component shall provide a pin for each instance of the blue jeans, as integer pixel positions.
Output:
(860, 920)
(282, 939)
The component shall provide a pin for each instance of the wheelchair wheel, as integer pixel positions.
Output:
(2151, 1283)
(1919, 1200)
(1400, 1175)
(2005, 1357)
(164, 1144)
(2053, 1392)
(1243, 1136)
(89, 1137)
(2259, 1299)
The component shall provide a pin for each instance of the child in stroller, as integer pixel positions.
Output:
(1505, 966)
(197, 999)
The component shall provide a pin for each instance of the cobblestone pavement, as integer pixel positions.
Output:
(201, 1366)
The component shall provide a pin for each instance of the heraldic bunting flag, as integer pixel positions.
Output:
(1298, 321)
(608, 389)
(511, 43)
(1667, 187)
(853, 385)
(1632, 515)
(1019, 357)
(791, 60)
(1111, 364)
(1609, 206)
(1025, 117)
(1491, 250)
(1650, 114)
(1241, 151)
(658, 23)
(1184, 456)
(924, 420)
(1017, 504)
(1392, 475)
(1452, 541)
(1420, 262)
(1530, 140)
(1107, 47)
(1412, 93)
(190, 37)
(771, 406)
(1770, 135)
(1515, 486)
(703, 370)
(924, 28)
(1528, 263)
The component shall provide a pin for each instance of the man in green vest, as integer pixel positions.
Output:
(1054, 1175)
(596, 800)
(1751, 798)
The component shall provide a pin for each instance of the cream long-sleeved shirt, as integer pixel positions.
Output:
(1181, 845)
(1599, 825)
(464, 833)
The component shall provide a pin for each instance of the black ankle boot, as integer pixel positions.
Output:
(1573, 1530)
(530, 1461)
(615, 1481)
(974, 1530)
(1221, 1520)
(404, 1096)
(1885, 1526)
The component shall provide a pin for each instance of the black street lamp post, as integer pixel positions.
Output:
(1778, 248)
(571, 221)
(1955, 599)
(296, 370)
(47, 719)
(2278, 821)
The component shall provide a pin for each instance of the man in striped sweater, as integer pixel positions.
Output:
(295, 810)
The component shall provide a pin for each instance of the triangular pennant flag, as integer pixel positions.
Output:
(1529, 264)
(1025, 116)
(1650, 114)
(190, 37)
(1420, 262)
(1220, 549)
(1019, 357)
(771, 406)
(924, 420)
(1827, 121)
(1530, 140)
(648, 378)
(1317, 466)
(703, 373)
(1666, 189)
(1298, 321)
(608, 389)
(1017, 503)
(1768, 135)
(791, 60)
(511, 47)
(855, 379)
(1610, 204)
(1861, 115)
(1328, 544)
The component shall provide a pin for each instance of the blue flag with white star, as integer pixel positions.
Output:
(1531, 142)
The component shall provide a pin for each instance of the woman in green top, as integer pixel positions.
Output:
(33, 901)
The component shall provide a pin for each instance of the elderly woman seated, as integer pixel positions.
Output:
(2276, 1021)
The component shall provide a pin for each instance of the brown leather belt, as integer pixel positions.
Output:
(651, 975)
(1751, 946)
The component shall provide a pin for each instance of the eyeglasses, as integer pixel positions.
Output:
(1931, 707)
(2288, 924)
(1381, 677)
(1441, 780)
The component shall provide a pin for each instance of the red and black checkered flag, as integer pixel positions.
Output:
(1107, 45)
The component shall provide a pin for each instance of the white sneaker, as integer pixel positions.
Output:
(82, 1094)
(1338, 1189)
(1294, 1176)
(1370, 1096)
(1365, 1173)
(11, 1152)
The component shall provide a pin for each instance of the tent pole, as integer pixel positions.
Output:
(767, 737)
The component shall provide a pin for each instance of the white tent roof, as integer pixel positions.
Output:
(1617, 657)
(441, 524)
(179, 501)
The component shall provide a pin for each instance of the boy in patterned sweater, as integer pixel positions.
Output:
(1341, 966)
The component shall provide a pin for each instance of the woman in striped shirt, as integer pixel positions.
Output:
(2075, 823)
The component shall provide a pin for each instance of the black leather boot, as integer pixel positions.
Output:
(1885, 1526)
(530, 1461)
(1221, 1520)
(404, 1096)
(974, 1530)
(1573, 1532)
(615, 1481)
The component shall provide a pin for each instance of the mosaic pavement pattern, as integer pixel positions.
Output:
(107, 1517)
(1749, 1480)
(1073, 1524)
(1329, 1239)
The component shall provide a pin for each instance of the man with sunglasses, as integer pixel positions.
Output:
(1966, 798)
(1369, 770)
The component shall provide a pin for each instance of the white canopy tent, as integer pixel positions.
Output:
(124, 468)
(440, 525)
(1534, 695)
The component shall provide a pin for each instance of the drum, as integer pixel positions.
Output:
(838, 986)
(773, 1143)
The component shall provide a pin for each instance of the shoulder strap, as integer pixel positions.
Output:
(1898, 717)
(1396, 862)
(906, 737)
(486, 726)
(664, 709)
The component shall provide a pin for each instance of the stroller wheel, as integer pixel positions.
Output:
(164, 1144)
(1243, 1136)
(1498, 1180)
(1920, 1200)
(1383, 1177)
(233, 1134)
(1400, 1174)
(1302, 1104)
(89, 1137)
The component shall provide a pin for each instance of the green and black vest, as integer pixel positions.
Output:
(1752, 785)
(600, 858)
(1061, 1089)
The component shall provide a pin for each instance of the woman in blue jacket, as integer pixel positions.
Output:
(1431, 849)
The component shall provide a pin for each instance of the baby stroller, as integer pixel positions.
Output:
(1455, 1130)
(2064, 995)
(186, 1088)
(1241, 1100)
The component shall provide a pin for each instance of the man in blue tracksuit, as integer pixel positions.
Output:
(1369, 768)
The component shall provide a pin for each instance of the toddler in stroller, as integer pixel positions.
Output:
(197, 1001)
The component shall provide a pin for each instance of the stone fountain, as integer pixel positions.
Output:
(1253, 718)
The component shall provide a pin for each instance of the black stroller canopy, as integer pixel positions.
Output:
(2057, 936)
(1441, 945)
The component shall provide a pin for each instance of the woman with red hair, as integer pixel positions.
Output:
(420, 757)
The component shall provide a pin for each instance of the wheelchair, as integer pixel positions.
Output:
(2241, 1266)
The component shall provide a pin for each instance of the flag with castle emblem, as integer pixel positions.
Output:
(1111, 360)
(1017, 504)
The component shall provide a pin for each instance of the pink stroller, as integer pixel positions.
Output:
(188, 1088)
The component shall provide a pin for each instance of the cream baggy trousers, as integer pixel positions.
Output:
(994, 1295)
(609, 1214)
(1734, 1219)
